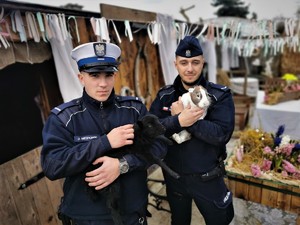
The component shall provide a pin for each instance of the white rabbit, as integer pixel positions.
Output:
(197, 97)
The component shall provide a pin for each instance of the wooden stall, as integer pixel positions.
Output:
(38, 203)
(140, 72)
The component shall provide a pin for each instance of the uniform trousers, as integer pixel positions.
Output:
(212, 199)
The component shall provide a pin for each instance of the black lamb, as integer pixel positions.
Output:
(147, 130)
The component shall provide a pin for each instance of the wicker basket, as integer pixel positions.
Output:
(276, 91)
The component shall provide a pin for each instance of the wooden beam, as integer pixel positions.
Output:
(122, 13)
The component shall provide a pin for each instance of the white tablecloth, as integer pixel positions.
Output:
(237, 85)
(270, 117)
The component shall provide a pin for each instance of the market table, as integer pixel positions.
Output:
(270, 117)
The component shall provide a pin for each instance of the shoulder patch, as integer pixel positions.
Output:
(58, 109)
(166, 90)
(166, 87)
(217, 90)
(219, 86)
(128, 98)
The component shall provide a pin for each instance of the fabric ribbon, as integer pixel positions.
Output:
(63, 26)
(93, 22)
(48, 30)
(19, 25)
(41, 25)
(33, 31)
(182, 30)
(55, 28)
(104, 29)
(76, 28)
(116, 31)
(3, 35)
(100, 28)
(128, 32)
(154, 32)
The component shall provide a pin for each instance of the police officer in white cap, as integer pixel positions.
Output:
(81, 132)
(199, 161)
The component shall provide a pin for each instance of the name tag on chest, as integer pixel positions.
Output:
(85, 138)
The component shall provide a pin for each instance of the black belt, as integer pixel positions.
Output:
(218, 171)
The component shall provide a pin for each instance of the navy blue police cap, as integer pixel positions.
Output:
(189, 47)
(96, 57)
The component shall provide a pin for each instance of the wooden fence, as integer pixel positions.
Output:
(266, 192)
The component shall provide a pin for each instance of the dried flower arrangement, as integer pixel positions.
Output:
(282, 89)
(267, 156)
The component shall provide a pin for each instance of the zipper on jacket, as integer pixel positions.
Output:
(102, 116)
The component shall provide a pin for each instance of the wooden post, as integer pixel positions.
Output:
(122, 13)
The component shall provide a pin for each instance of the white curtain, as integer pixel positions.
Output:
(209, 53)
(66, 67)
(167, 47)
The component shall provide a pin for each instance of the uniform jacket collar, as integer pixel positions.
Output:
(95, 104)
(179, 87)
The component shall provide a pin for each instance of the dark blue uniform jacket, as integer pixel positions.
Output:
(209, 136)
(75, 135)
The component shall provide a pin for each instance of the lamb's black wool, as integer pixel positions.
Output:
(147, 130)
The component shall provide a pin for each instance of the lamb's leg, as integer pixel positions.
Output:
(113, 202)
(164, 139)
(164, 166)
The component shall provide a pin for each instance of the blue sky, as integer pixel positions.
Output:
(265, 9)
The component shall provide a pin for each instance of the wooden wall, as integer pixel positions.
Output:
(140, 68)
(35, 205)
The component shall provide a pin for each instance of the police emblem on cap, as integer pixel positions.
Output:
(189, 47)
(188, 53)
(100, 49)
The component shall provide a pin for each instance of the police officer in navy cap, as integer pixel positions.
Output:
(81, 132)
(199, 161)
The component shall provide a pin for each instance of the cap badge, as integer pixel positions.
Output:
(188, 53)
(100, 49)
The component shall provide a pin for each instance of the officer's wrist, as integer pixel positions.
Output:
(180, 121)
(123, 166)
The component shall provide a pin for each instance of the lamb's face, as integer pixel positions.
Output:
(151, 127)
